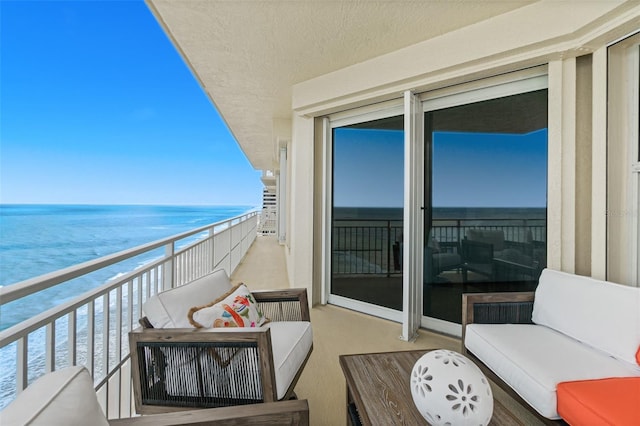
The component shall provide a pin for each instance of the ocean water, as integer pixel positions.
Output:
(442, 213)
(38, 239)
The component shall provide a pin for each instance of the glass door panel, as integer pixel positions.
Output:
(485, 200)
(367, 212)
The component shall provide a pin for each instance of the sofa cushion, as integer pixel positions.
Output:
(599, 313)
(169, 309)
(238, 309)
(533, 359)
(63, 397)
(600, 402)
(291, 342)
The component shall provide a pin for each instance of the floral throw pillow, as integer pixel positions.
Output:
(237, 309)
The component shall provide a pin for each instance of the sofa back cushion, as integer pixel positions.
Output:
(169, 309)
(601, 314)
(63, 397)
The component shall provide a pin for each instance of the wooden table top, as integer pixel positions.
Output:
(379, 384)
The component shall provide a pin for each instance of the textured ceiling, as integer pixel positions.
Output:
(248, 54)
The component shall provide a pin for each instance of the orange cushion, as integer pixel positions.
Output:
(614, 401)
(638, 355)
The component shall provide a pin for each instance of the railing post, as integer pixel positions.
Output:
(388, 248)
(212, 247)
(169, 270)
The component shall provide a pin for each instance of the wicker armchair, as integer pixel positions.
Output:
(181, 368)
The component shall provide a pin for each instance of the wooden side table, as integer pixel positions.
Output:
(378, 387)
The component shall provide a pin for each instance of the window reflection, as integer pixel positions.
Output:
(367, 214)
(486, 186)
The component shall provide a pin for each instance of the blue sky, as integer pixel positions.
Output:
(469, 169)
(490, 169)
(97, 107)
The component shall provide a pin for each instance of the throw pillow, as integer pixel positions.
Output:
(237, 309)
(638, 355)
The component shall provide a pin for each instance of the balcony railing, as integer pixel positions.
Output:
(92, 328)
(371, 247)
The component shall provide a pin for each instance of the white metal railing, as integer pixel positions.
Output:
(92, 329)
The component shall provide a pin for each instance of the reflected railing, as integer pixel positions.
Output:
(374, 247)
(92, 328)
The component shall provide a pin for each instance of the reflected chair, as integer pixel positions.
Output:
(176, 366)
(438, 258)
(477, 256)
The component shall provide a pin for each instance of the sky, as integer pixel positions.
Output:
(469, 169)
(97, 107)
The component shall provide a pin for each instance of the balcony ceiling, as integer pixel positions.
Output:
(247, 55)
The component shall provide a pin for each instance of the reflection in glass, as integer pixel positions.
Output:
(368, 212)
(485, 188)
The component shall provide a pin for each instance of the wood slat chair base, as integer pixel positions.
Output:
(182, 369)
(293, 413)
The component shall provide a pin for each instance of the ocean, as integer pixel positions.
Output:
(38, 239)
(442, 213)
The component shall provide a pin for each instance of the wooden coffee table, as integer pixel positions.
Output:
(378, 386)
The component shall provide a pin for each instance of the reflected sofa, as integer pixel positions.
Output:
(487, 253)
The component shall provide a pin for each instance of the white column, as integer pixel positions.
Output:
(599, 167)
(282, 196)
(554, 167)
(568, 255)
(327, 202)
(299, 250)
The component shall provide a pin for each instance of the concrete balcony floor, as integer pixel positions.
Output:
(338, 331)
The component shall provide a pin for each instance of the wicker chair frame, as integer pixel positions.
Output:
(217, 368)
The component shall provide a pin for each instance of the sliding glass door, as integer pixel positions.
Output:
(367, 214)
(477, 160)
(485, 198)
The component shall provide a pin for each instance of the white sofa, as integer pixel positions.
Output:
(225, 372)
(579, 329)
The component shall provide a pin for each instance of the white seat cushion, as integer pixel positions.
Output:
(169, 309)
(533, 359)
(291, 342)
(602, 314)
(64, 397)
